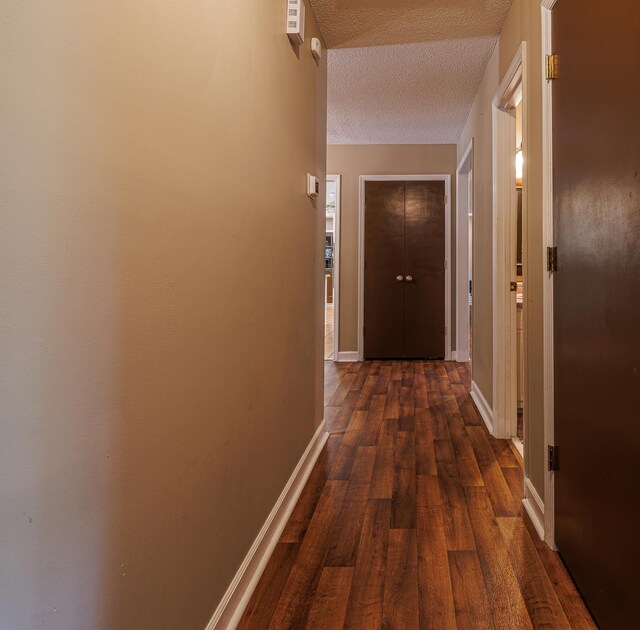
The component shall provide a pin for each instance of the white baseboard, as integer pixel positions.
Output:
(483, 406)
(462, 357)
(534, 506)
(348, 357)
(517, 442)
(235, 600)
(454, 355)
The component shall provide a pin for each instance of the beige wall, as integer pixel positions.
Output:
(478, 128)
(523, 23)
(160, 375)
(351, 161)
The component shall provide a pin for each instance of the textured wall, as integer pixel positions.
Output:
(351, 161)
(160, 375)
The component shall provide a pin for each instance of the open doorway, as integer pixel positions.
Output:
(331, 274)
(464, 256)
(517, 420)
(510, 254)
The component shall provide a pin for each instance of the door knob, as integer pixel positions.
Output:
(399, 278)
(409, 278)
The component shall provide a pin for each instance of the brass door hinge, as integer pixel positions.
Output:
(552, 63)
(552, 259)
(552, 458)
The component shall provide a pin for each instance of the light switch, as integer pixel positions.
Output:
(313, 186)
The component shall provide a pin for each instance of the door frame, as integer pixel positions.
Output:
(464, 203)
(547, 278)
(336, 266)
(504, 259)
(505, 395)
(447, 251)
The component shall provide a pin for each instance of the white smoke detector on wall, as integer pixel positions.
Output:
(295, 21)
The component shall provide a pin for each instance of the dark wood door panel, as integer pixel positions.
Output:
(383, 262)
(596, 152)
(424, 264)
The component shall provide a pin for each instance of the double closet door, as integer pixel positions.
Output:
(404, 270)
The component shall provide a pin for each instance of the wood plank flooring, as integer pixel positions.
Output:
(328, 332)
(411, 518)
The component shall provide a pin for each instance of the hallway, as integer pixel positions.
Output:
(412, 517)
(212, 212)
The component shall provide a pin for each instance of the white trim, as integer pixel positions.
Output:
(534, 506)
(336, 266)
(511, 90)
(517, 442)
(547, 280)
(454, 355)
(348, 357)
(235, 600)
(468, 153)
(482, 406)
(507, 92)
(447, 237)
(464, 204)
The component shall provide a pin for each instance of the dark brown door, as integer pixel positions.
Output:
(596, 152)
(424, 256)
(404, 270)
(384, 270)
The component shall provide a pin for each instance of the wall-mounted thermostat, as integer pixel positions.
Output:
(313, 186)
(295, 21)
(316, 48)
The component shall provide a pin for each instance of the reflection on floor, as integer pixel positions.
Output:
(328, 332)
(412, 518)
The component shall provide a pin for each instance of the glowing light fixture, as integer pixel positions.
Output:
(519, 167)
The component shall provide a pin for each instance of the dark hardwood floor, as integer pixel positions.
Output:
(411, 518)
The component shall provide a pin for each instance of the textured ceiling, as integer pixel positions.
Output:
(405, 71)
(353, 23)
(411, 94)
